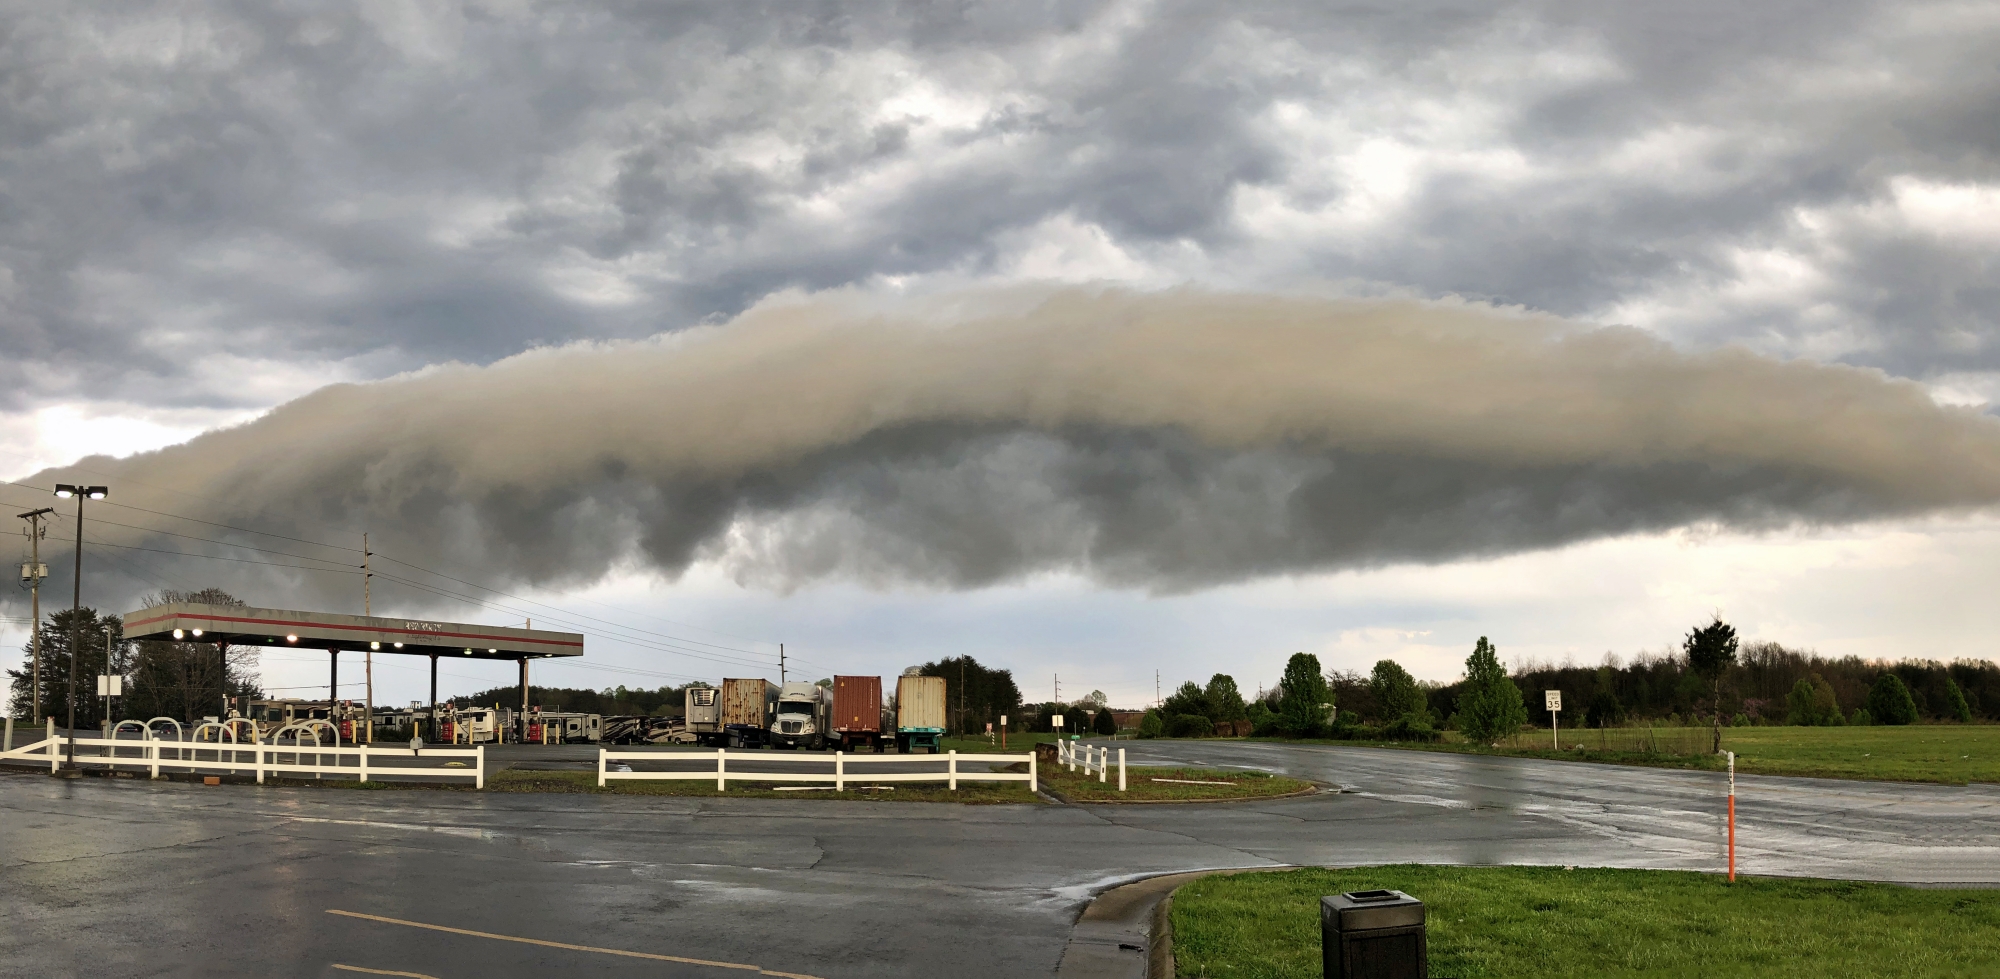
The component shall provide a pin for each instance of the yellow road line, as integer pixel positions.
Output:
(381, 972)
(565, 945)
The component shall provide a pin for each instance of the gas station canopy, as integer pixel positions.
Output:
(241, 626)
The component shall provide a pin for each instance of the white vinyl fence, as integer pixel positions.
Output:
(841, 768)
(361, 762)
(1091, 758)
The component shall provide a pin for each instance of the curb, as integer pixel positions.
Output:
(1127, 932)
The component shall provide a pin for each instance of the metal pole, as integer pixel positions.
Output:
(105, 722)
(431, 729)
(367, 656)
(333, 691)
(75, 613)
(781, 667)
(524, 699)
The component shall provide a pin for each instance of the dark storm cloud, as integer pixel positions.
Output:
(1163, 440)
(398, 185)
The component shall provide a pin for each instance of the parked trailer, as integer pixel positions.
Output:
(857, 712)
(704, 715)
(919, 712)
(747, 707)
(625, 729)
(804, 715)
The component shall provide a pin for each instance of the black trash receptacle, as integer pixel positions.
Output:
(1372, 935)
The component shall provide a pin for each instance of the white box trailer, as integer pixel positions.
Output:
(704, 714)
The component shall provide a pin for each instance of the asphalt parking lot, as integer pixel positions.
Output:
(126, 878)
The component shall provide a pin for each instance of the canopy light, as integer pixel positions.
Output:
(399, 645)
(197, 633)
(292, 638)
(177, 633)
(492, 650)
(374, 645)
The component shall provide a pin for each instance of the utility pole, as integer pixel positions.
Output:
(781, 666)
(106, 722)
(961, 697)
(1156, 688)
(368, 655)
(35, 572)
(1058, 677)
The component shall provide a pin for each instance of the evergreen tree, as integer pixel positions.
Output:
(1711, 649)
(1225, 702)
(1955, 704)
(1152, 726)
(55, 678)
(1489, 704)
(1889, 701)
(1812, 703)
(1302, 696)
(1396, 692)
(1104, 723)
(1187, 699)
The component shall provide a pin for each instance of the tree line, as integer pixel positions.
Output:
(182, 680)
(1711, 679)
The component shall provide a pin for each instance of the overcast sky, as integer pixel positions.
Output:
(207, 210)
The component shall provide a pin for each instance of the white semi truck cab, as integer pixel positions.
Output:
(804, 716)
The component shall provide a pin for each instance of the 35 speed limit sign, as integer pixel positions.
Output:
(1553, 699)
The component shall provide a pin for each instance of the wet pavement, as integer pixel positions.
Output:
(128, 878)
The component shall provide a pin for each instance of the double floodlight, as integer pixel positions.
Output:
(177, 634)
(67, 490)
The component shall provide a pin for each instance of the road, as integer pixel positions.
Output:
(126, 878)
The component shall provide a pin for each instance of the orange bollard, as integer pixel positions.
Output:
(1732, 817)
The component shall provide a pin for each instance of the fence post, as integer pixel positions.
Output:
(153, 752)
(479, 758)
(1121, 769)
(364, 762)
(1032, 786)
(721, 771)
(54, 755)
(259, 757)
(951, 768)
(600, 767)
(1103, 764)
(839, 772)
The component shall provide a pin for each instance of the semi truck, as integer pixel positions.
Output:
(704, 715)
(857, 713)
(803, 717)
(747, 708)
(919, 712)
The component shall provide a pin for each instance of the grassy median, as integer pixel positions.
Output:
(1554, 923)
(1948, 754)
(1167, 785)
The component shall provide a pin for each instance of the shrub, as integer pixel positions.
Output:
(1860, 717)
(1406, 728)
(1889, 701)
(1151, 726)
(1811, 703)
(1190, 726)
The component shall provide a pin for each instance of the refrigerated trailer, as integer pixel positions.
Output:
(919, 712)
(704, 715)
(857, 712)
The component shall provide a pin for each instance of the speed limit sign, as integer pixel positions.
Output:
(1553, 699)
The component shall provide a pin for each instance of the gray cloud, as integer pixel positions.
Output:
(459, 182)
(1164, 440)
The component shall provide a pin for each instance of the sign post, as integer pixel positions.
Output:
(1732, 817)
(1553, 699)
(1003, 732)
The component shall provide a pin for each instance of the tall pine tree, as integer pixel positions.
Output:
(1489, 705)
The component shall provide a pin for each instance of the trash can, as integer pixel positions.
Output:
(1372, 935)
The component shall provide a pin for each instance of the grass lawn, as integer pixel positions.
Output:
(1951, 754)
(1166, 785)
(1549, 922)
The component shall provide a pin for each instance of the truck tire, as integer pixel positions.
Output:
(819, 742)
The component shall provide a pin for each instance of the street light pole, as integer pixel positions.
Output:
(65, 491)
